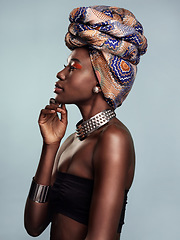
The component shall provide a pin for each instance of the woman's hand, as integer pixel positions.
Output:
(51, 126)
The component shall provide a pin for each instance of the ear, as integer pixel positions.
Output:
(98, 75)
(99, 89)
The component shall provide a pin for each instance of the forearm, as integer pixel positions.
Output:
(37, 215)
(44, 171)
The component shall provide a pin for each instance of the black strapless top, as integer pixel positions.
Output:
(71, 196)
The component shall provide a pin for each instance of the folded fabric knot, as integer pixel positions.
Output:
(116, 42)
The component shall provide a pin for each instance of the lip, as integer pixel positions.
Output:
(58, 88)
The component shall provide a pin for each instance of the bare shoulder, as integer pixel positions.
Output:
(116, 133)
(115, 145)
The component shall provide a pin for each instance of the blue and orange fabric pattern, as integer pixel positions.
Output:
(116, 42)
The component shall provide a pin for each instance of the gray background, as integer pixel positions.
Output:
(32, 50)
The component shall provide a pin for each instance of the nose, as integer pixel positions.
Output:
(61, 75)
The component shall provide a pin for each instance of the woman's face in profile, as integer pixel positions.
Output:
(77, 79)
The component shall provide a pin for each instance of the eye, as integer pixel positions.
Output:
(72, 68)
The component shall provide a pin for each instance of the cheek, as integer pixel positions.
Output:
(84, 82)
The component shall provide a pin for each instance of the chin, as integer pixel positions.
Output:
(59, 101)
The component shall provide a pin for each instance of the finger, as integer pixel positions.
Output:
(64, 114)
(63, 106)
(52, 106)
(46, 114)
(60, 110)
(52, 101)
(47, 111)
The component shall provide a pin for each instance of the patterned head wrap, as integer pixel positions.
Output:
(115, 40)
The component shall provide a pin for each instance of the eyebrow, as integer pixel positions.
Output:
(74, 59)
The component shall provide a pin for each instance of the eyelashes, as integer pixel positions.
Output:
(71, 68)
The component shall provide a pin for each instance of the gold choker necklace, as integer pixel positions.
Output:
(84, 128)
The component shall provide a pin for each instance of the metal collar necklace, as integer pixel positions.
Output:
(84, 128)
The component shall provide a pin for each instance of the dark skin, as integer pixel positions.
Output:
(107, 156)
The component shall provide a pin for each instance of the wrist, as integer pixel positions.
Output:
(51, 145)
(38, 193)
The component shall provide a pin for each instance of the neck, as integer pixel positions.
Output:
(85, 128)
(90, 109)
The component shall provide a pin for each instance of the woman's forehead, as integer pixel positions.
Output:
(80, 54)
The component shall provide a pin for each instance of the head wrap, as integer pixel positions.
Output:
(115, 40)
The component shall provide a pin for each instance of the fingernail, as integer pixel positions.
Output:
(52, 101)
